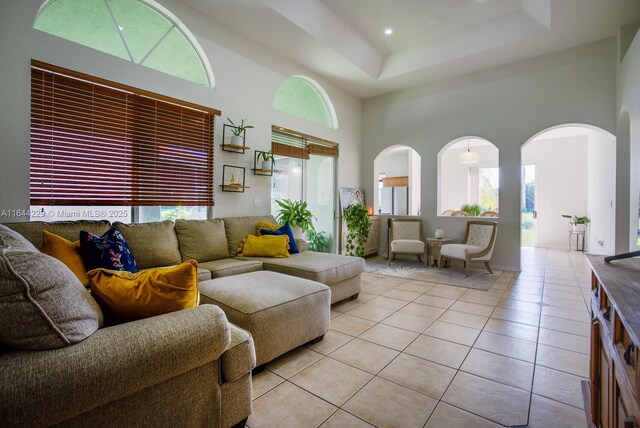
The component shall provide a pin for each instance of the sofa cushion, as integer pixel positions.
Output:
(67, 252)
(152, 244)
(264, 246)
(126, 296)
(70, 230)
(202, 240)
(284, 230)
(42, 303)
(228, 267)
(240, 356)
(407, 246)
(237, 228)
(108, 251)
(322, 267)
(203, 274)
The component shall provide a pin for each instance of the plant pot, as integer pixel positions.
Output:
(578, 228)
(298, 232)
(266, 165)
(237, 140)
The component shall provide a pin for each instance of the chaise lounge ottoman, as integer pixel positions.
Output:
(280, 311)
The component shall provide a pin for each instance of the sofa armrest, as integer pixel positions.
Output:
(240, 356)
(302, 245)
(47, 387)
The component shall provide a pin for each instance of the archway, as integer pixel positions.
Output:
(569, 170)
(396, 178)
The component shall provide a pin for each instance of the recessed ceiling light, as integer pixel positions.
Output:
(388, 31)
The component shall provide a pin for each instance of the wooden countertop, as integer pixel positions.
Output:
(621, 281)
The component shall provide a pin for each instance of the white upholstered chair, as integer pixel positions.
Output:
(478, 242)
(405, 237)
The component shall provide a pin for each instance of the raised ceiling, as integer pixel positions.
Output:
(345, 41)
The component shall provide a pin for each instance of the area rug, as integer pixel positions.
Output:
(479, 279)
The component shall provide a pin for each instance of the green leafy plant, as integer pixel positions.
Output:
(577, 220)
(237, 130)
(317, 241)
(473, 210)
(266, 156)
(295, 213)
(358, 225)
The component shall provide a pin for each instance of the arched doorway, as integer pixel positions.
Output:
(396, 178)
(569, 170)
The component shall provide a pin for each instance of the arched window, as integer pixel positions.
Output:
(302, 97)
(140, 31)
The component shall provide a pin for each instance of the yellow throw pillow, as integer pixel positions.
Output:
(126, 296)
(265, 225)
(266, 246)
(67, 252)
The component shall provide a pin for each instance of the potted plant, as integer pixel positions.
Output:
(268, 160)
(297, 215)
(473, 210)
(579, 224)
(317, 241)
(238, 130)
(358, 225)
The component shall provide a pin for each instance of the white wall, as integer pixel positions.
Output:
(506, 105)
(247, 77)
(453, 180)
(628, 153)
(415, 181)
(601, 193)
(561, 186)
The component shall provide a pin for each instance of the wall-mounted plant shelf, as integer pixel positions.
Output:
(231, 142)
(233, 179)
(259, 165)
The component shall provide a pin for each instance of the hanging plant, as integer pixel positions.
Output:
(358, 225)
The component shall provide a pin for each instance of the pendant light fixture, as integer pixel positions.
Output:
(469, 157)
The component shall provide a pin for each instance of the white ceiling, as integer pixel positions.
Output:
(344, 40)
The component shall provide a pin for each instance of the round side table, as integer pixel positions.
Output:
(433, 249)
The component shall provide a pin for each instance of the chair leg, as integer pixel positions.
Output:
(440, 262)
(486, 264)
(419, 257)
(467, 267)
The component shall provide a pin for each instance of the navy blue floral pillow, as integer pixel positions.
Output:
(109, 251)
(284, 230)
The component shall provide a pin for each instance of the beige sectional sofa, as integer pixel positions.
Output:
(122, 374)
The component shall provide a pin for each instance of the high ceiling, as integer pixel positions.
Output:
(345, 40)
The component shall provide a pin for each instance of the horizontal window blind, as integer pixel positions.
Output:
(95, 142)
(285, 142)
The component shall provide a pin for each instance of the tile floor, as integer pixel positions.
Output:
(409, 353)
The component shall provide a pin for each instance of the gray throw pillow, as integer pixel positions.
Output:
(43, 305)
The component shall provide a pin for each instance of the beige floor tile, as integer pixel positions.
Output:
(370, 312)
(515, 315)
(385, 404)
(507, 346)
(505, 370)
(439, 351)
(345, 306)
(438, 302)
(566, 326)
(364, 297)
(391, 337)
(448, 416)
(559, 386)
(293, 361)
(415, 286)
(547, 413)
(353, 326)
(484, 299)
(570, 314)
(534, 308)
(447, 291)
(513, 329)
(335, 313)
(289, 406)
(564, 295)
(571, 342)
(408, 322)
(464, 318)
(523, 297)
(500, 403)
(453, 332)
(331, 380)
(342, 419)
(420, 375)
(264, 382)
(375, 288)
(392, 281)
(332, 341)
(403, 295)
(388, 303)
(472, 308)
(365, 355)
(563, 360)
(424, 311)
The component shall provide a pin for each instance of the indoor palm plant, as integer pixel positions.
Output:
(297, 214)
(317, 241)
(358, 225)
(238, 131)
(579, 224)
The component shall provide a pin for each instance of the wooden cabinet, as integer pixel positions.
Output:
(371, 246)
(612, 393)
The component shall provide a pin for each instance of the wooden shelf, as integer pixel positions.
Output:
(235, 186)
(268, 171)
(234, 146)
